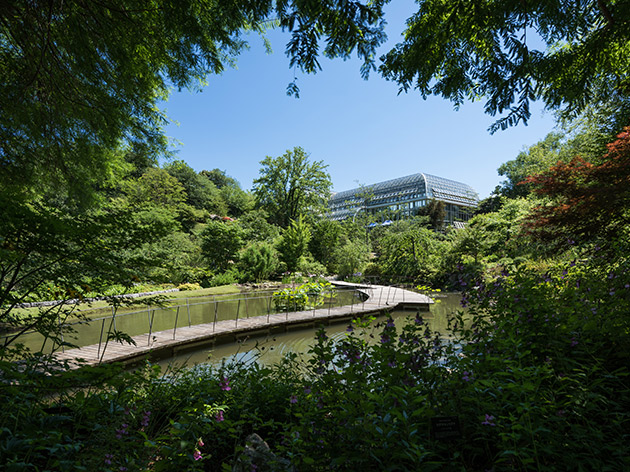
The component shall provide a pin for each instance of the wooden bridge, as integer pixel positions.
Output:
(164, 344)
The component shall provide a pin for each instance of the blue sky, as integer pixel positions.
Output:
(363, 130)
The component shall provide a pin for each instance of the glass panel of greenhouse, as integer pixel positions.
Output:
(404, 197)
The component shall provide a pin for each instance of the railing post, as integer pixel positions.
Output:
(269, 308)
(63, 349)
(216, 308)
(188, 309)
(237, 310)
(114, 318)
(150, 329)
(176, 319)
(246, 308)
(100, 339)
(329, 301)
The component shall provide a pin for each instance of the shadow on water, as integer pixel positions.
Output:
(272, 347)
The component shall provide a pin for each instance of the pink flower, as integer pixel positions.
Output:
(225, 384)
(293, 399)
(200, 442)
(197, 455)
(219, 416)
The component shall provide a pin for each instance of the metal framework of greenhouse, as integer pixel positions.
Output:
(405, 196)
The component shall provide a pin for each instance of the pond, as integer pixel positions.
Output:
(177, 314)
(271, 348)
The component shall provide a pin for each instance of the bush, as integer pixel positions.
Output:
(184, 287)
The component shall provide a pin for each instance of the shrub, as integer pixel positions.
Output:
(184, 287)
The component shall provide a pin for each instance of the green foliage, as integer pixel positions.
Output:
(435, 210)
(188, 286)
(220, 243)
(200, 192)
(258, 261)
(256, 228)
(303, 297)
(325, 236)
(350, 258)
(291, 185)
(534, 160)
(93, 75)
(471, 50)
(294, 243)
(415, 253)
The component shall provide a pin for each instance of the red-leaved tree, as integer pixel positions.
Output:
(585, 199)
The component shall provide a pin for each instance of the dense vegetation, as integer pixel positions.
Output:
(534, 376)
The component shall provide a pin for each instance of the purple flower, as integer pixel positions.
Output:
(122, 431)
(349, 329)
(467, 376)
(108, 459)
(392, 363)
(307, 390)
(293, 399)
(574, 342)
(225, 384)
(197, 454)
(489, 420)
(218, 417)
(384, 339)
(390, 323)
(145, 419)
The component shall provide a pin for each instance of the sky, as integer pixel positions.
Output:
(365, 131)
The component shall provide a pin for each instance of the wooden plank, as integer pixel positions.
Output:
(379, 298)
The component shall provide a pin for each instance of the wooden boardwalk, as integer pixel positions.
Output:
(167, 343)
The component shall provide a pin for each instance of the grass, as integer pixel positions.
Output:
(100, 308)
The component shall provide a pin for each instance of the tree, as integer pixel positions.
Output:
(79, 78)
(291, 185)
(585, 199)
(534, 160)
(485, 49)
(325, 237)
(436, 211)
(220, 243)
(294, 243)
(200, 192)
(259, 261)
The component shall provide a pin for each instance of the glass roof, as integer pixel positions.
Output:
(421, 184)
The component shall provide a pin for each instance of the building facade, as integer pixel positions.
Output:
(406, 196)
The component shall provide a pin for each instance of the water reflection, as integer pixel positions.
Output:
(273, 347)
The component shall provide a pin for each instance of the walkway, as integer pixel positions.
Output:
(168, 343)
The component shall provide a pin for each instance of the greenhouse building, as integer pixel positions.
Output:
(406, 196)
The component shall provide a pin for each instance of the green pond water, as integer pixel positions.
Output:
(271, 348)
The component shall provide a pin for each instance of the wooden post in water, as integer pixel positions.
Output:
(269, 308)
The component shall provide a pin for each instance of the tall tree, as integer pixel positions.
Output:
(534, 160)
(291, 185)
(585, 199)
(294, 243)
(77, 78)
(467, 50)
